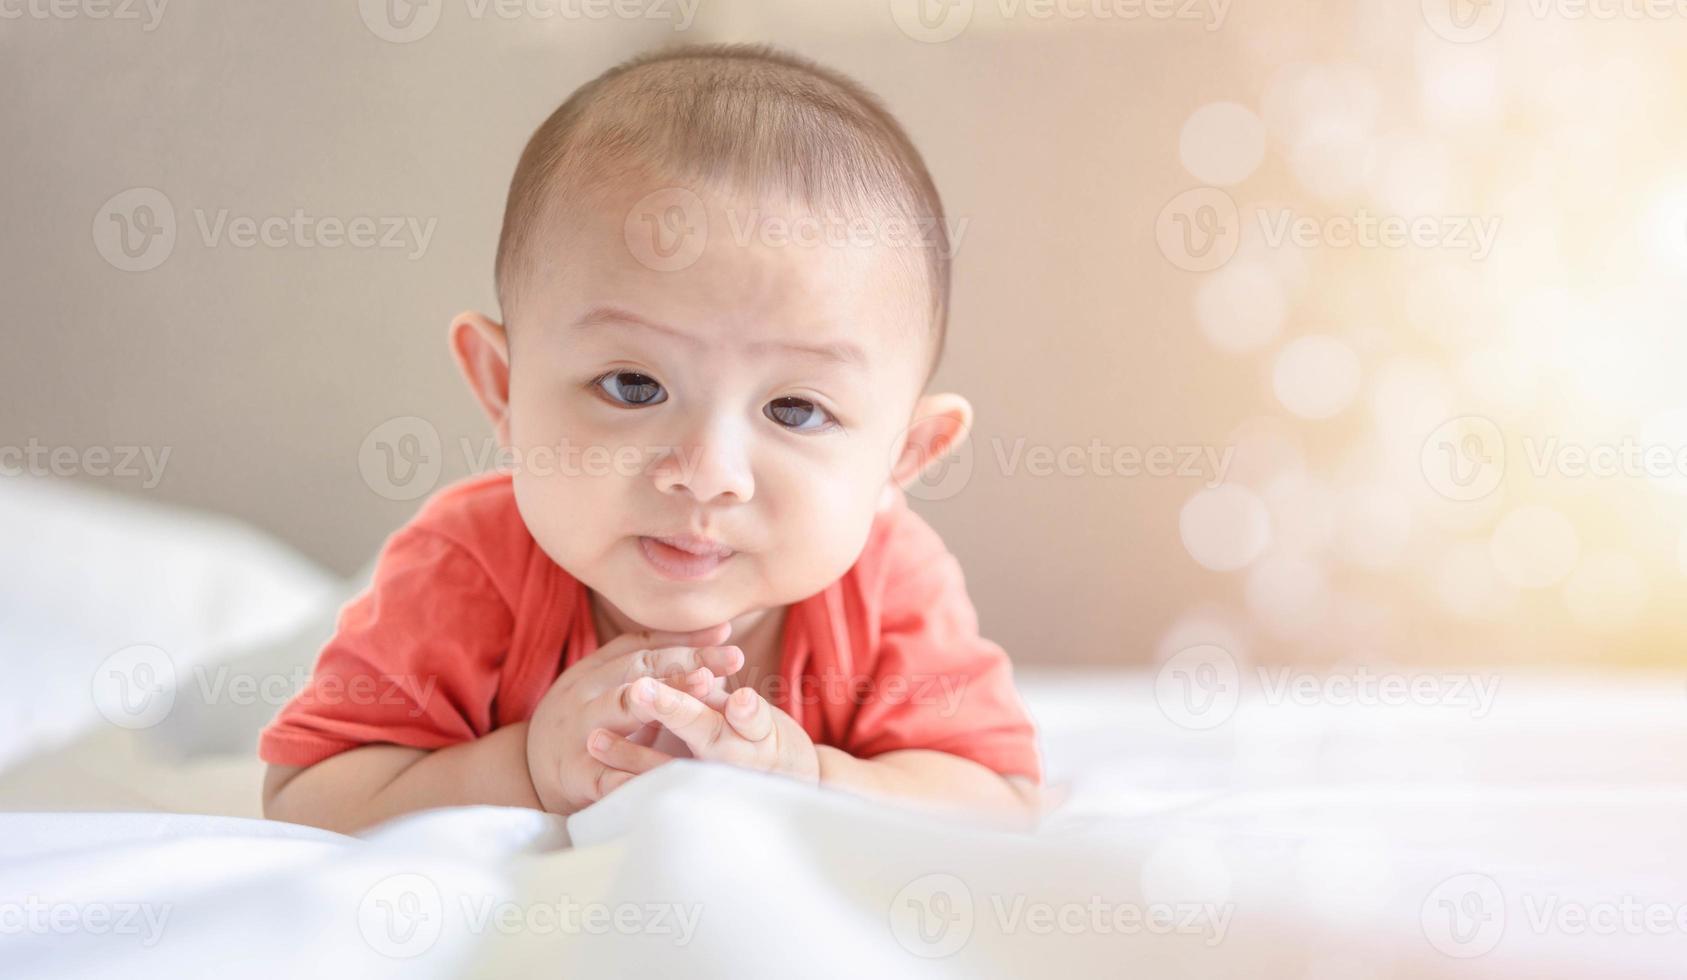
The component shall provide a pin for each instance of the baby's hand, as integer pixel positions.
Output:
(595, 694)
(741, 729)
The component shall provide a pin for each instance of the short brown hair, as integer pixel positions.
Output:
(750, 115)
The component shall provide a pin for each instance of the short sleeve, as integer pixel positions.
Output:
(414, 659)
(937, 684)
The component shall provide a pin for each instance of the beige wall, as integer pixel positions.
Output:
(264, 369)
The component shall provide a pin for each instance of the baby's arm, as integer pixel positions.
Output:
(362, 787)
(926, 776)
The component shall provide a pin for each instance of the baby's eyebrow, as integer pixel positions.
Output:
(841, 352)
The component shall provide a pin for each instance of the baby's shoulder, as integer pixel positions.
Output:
(899, 543)
(478, 517)
(475, 513)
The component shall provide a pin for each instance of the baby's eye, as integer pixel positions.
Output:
(632, 388)
(798, 414)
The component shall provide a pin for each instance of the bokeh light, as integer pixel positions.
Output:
(1544, 306)
(1222, 143)
(1225, 528)
(1316, 377)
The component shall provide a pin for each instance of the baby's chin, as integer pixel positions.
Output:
(647, 600)
(677, 613)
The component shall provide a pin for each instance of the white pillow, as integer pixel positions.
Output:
(109, 605)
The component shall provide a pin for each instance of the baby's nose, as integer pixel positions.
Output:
(713, 466)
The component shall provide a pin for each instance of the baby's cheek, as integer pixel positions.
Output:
(824, 527)
(573, 512)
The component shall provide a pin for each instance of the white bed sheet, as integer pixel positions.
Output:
(1541, 840)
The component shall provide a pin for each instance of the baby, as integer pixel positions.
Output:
(726, 270)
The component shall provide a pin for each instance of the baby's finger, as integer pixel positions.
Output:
(646, 735)
(653, 639)
(613, 708)
(624, 754)
(664, 661)
(715, 696)
(695, 723)
(699, 683)
(610, 780)
(749, 714)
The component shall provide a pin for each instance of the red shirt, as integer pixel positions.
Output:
(468, 622)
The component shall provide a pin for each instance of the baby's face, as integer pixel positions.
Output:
(746, 407)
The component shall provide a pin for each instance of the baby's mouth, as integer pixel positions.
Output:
(692, 545)
(684, 557)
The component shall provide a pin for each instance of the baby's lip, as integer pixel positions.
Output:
(692, 544)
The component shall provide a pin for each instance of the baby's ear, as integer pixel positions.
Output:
(940, 424)
(483, 355)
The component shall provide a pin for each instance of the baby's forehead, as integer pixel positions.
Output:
(743, 271)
